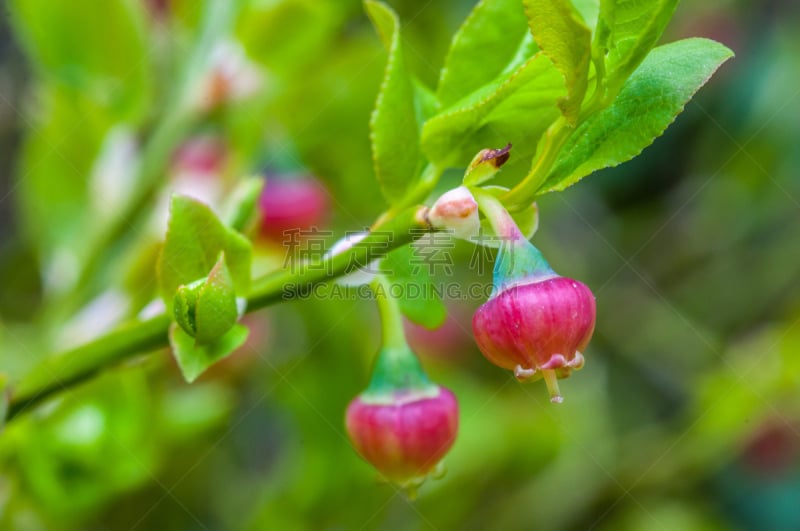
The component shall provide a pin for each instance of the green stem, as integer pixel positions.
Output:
(62, 371)
(397, 369)
(525, 192)
(517, 260)
(499, 218)
(391, 316)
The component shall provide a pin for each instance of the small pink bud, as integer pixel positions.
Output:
(406, 436)
(292, 205)
(457, 211)
(537, 328)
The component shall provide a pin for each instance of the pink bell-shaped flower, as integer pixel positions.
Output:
(536, 322)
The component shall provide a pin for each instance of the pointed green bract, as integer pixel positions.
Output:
(516, 111)
(482, 48)
(194, 359)
(647, 104)
(407, 269)
(394, 127)
(195, 238)
(560, 32)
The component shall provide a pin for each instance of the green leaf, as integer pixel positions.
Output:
(559, 31)
(216, 311)
(195, 238)
(647, 104)
(517, 111)
(194, 359)
(287, 35)
(424, 101)
(407, 269)
(394, 127)
(97, 49)
(627, 30)
(482, 49)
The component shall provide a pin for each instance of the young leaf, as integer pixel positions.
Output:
(407, 269)
(628, 30)
(482, 48)
(195, 238)
(647, 104)
(215, 312)
(394, 127)
(559, 31)
(194, 359)
(517, 111)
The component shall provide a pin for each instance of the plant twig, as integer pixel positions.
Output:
(65, 370)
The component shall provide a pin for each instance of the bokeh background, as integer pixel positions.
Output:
(686, 416)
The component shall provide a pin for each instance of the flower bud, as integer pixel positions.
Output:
(456, 211)
(486, 164)
(207, 308)
(291, 206)
(536, 322)
(404, 433)
(403, 424)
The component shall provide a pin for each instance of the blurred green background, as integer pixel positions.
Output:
(686, 416)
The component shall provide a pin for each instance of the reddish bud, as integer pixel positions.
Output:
(406, 436)
(291, 206)
(456, 211)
